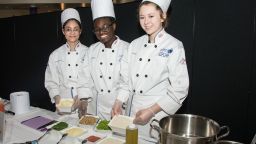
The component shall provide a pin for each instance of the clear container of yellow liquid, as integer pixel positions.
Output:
(131, 134)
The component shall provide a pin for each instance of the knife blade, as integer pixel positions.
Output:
(47, 124)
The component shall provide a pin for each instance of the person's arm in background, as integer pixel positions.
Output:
(123, 92)
(52, 79)
(84, 83)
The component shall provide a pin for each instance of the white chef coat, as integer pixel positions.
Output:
(105, 65)
(157, 73)
(61, 74)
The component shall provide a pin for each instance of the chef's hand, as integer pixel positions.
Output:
(117, 108)
(57, 99)
(75, 104)
(143, 116)
(82, 110)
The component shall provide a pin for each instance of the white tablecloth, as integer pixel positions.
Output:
(15, 132)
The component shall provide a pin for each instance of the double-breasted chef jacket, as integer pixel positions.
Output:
(157, 73)
(105, 65)
(61, 75)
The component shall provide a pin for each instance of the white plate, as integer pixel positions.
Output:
(119, 123)
(111, 140)
(70, 140)
(53, 137)
(80, 131)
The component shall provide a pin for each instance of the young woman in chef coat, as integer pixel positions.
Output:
(157, 71)
(61, 74)
(105, 57)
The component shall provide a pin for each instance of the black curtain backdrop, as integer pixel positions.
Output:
(219, 39)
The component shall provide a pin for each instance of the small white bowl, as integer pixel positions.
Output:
(81, 124)
(119, 123)
(74, 131)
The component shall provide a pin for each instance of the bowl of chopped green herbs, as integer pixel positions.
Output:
(60, 126)
(102, 126)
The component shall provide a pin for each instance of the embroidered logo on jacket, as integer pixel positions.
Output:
(165, 52)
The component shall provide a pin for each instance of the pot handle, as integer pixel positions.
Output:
(225, 134)
(155, 127)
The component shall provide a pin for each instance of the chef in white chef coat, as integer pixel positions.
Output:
(61, 74)
(105, 56)
(157, 71)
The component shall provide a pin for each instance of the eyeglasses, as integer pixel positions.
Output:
(105, 29)
(69, 30)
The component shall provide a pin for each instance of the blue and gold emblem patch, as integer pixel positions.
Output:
(165, 52)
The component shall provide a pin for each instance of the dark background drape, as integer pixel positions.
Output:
(218, 37)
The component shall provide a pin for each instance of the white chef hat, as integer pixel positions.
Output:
(69, 13)
(163, 4)
(102, 8)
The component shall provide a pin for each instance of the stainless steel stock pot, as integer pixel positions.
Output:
(187, 129)
(226, 142)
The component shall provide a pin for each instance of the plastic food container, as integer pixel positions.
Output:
(119, 123)
(88, 120)
(65, 105)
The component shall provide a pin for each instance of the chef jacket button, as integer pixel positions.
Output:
(140, 59)
(101, 76)
(137, 75)
(102, 50)
(76, 53)
(109, 77)
(148, 60)
(111, 64)
(76, 64)
(141, 91)
(108, 91)
(155, 46)
(146, 76)
(101, 90)
(101, 63)
(134, 90)
(145, 45)
(69, 76)
(113, 50)
(68, 64)
(68, 52)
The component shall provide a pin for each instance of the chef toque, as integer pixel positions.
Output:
(69, 13)
(163, 4)
(102, 8)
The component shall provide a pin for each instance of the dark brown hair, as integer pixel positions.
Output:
(65, 23)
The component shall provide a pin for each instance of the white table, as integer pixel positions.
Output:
(15, 132)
